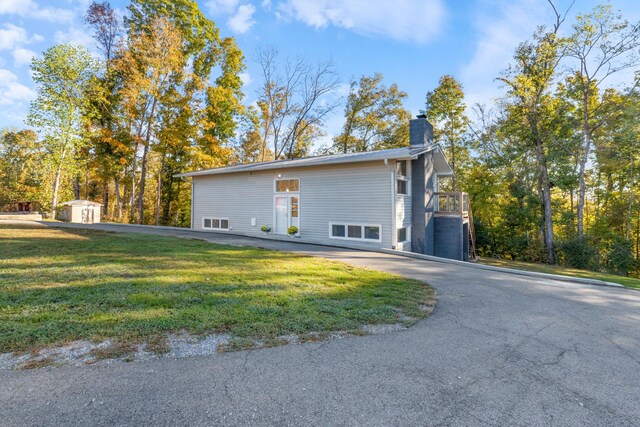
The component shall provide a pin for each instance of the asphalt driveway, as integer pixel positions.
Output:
(499, 349)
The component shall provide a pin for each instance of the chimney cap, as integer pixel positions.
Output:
(421, 116)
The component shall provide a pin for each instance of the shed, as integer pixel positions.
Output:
(81, 211)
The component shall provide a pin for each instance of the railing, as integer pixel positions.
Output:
(452, 203)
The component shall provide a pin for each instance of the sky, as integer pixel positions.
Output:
(411, 42)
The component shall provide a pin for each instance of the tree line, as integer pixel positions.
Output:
(551, 166)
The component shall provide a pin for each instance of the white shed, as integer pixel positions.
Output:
(81, 211)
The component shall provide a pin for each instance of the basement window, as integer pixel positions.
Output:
(403, 235)
(209, 223)
(361, 232)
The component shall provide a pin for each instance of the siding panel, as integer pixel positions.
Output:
(353, 193)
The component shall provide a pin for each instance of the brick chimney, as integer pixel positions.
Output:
(420, 132)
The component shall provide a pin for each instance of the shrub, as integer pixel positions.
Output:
(293, 230)
(618, 256)
(578, 253)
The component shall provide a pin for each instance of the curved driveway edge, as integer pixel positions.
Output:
(499, 349)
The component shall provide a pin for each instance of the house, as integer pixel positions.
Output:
(384, 199)
(81, 211)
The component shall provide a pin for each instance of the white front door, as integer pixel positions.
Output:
(282, 214)
(287, 212)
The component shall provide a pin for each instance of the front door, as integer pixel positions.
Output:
(287, 212)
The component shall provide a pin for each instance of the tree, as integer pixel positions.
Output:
(290, 100)
(375, 118)
(602, 44)
(149, 64)
(61, 108)
(530, 81)
(446, 109)
(20, 171)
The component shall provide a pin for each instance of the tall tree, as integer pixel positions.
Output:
(150, 62)
(61, 108)
(446, 109)
(375, 117)
(291, 100)
(602, 44)
(530, 81)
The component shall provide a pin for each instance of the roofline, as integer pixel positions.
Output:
(293, 163)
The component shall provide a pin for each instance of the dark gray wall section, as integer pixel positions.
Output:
(422, 204)
(449, 242)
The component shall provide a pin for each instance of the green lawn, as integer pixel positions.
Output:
(60, 285)
(629, 282)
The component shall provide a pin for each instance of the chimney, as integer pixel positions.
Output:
(420, 132)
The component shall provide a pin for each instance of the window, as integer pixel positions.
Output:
(287, 185)
(338, 230)
(401, 168)
(355, 232)
(402, 177)
(402, 186)
(402, 235)
(294, 207)
(215, 223)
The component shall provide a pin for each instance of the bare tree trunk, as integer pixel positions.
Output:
(76, 187)
(545, 190)
(56, 188)
(105, 198)
(582, 184)
(159, 189)
(116, 183)
(143, 172)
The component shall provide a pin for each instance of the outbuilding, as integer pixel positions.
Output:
(81, 212)
(387, 199)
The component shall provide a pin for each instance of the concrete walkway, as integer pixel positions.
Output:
(499, 349)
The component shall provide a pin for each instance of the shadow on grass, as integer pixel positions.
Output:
(57, 288)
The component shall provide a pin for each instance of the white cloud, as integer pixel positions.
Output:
(29, 8)
(416, 21)
(12, 91)
(500, 27)
(242, 21)
(266, 4)
(218, 7)
(23, 56)
(74, 35)
(246, 79)
(12, 36)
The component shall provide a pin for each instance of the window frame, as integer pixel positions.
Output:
(362, 231)
(406, 178)
(408, 235)
(275, 185)
(219, 219)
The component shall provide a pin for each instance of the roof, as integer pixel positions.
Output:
(369, 156)
(80, 203)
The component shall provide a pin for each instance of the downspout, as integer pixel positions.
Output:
(394, 232)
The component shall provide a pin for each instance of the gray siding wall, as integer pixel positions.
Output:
(353, 193)
(422, 233)
(449, 242)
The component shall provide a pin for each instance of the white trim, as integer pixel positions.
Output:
(355, 224)
(193, 197)
(394, 242)
(212, 228)
(408, 240)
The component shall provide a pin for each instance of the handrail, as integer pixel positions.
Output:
(452, 202)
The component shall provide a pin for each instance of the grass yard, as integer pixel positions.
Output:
(61, 285)
(628, 282)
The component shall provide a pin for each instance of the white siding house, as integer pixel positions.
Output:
(363, 200)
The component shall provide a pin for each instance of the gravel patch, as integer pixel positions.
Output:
(179, 345)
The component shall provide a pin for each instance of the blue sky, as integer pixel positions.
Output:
(412, 42)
